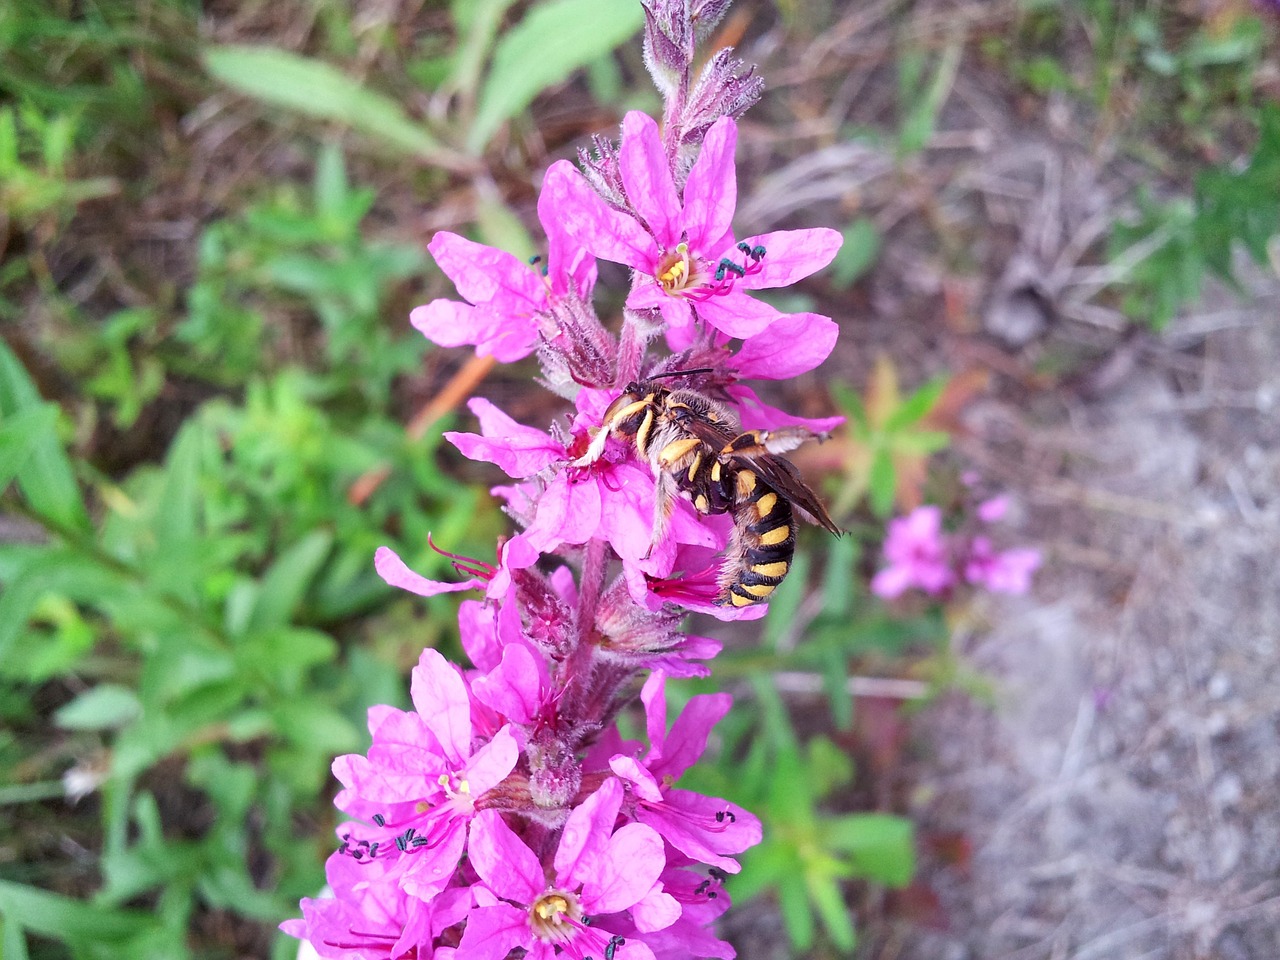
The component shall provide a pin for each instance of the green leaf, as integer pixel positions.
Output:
(178, 512)
(915, 406)
(107, 706)
(879, 846)
(786, 600)
(285, 584)
(67, 919)
(829, 900)
(883, 483)
(797, 913)
(46, 477)
(283, 79)
(553, 40)
(477, 22)
(19, 435)
(849, 401)
(857, 254)
(13, 943)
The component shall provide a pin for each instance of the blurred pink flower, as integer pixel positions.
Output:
(917, 554)
(1008, 571)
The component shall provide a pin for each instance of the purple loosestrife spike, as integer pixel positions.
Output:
(505, 811)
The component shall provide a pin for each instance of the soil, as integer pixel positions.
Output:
(1115, 798)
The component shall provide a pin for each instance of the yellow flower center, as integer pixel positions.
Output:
(676, 270)
(554, 915)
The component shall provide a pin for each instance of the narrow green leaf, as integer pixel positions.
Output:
(786, 600)
(552, 41)
(879, 846)
(477, 22)
(65, 918)
(106, 706)
(797, 913)
(317, 89)
(46, 477)
(883, 483)
(19, 435)
(839, 585)
(287, 581)
(834, 912)
(13, 942)
(857, 254)
(849, 402)
(178, 511)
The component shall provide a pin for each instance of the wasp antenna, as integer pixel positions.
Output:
(680, 373)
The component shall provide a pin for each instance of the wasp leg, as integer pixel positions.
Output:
(664, 495)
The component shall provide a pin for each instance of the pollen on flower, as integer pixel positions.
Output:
(685, 274)
(463, 788)
(555, 915)
(677, 270)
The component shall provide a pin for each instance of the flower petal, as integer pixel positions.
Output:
(626, 872)
(440, 696)
(518, 687)
(688, 737)
(585, 834)
(646, 176)
(592, 224)
(737, 314)
(487, 275)
(432, 867)
(791, 255)
(793, 344)
(755, 414)
(519, 450)
(711, 191)
(503, 861)
(493, 932)
(393, 570)
(656, 911)
(569, 264)
(566, 513)
(447, 323)
(490, 764)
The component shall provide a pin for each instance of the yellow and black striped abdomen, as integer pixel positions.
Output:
(764, 543)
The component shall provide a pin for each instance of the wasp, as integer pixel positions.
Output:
(695, 449)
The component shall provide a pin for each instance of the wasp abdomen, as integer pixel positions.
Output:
(763, 544)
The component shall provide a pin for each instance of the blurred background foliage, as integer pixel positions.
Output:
(213, 222)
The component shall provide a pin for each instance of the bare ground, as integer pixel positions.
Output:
(1118, 799)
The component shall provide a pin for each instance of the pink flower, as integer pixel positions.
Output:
(703, 828)
(683, 251)
(917, 555)
(494, 581)
(610, 500)
(426, 769)
(994, 509)
(1006, 572)
(369, 916)
(507, 299)
(597, 872)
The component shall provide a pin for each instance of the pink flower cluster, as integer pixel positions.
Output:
(505, 815)
(923, 556)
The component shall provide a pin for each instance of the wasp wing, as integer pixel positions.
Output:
(750, 450)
